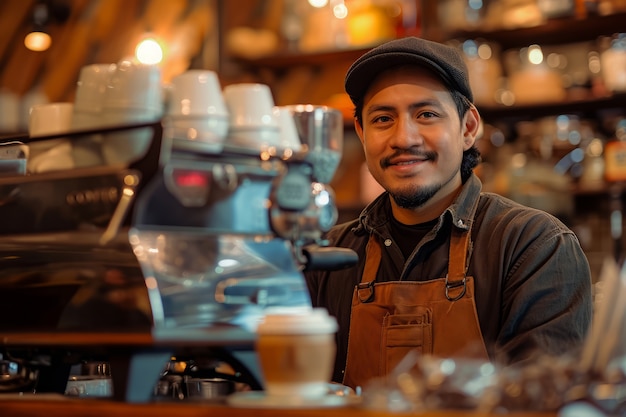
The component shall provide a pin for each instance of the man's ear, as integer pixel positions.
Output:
(471, 126)
(358, 129)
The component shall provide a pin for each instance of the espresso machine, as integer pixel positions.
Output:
(169, 257)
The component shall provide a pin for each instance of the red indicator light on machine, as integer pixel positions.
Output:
(191, 178)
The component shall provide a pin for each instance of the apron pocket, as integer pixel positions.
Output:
(403, 333)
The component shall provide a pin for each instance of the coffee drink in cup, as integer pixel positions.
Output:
(296, 352)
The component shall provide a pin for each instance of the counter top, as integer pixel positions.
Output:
(217, 336)
(59, 406)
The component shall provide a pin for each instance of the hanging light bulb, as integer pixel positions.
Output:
(38, 40)
(44, 13)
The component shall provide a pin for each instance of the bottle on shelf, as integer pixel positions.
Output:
(615, 154)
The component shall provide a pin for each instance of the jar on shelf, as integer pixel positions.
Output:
(556, 8)
(613, 63)
(485, 72)
(558, 135)
(530, 79)
(615, 154)
(460, 14)
(593, 164)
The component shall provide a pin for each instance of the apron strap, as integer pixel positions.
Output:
(457, 268)
(459, 243)
(373, 255)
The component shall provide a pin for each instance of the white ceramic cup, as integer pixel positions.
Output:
(196, 111)
(289, 137)
(250, 105)
(124, 147)
(50, 119)
(133, 85)
(196, 93)
(10, 111)
(252, 122)
(134, 95)
(91, 87)
(296, 352)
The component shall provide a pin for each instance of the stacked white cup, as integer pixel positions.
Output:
(197, 116)
(134, 95)
(90, 92)
(289, 137)
(253, 126)
(10, 114)
(50, 119)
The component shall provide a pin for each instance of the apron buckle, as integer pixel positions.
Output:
(365, 287)
(453, 286)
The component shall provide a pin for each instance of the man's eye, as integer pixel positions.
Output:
(427, 115)
(381, 119)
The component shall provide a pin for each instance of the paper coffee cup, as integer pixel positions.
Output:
(297, 352)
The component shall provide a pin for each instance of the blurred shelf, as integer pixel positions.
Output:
(600, 189)
(583, 106)
(554, 31)
(284, 60)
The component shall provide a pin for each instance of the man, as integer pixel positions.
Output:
(443, 269)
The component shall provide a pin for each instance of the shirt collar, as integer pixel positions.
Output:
(462, 210)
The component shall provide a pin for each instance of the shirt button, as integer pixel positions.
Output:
(388, 242)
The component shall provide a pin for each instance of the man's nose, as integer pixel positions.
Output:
(407, 134)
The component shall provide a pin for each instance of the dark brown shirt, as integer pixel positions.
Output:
(532, 278)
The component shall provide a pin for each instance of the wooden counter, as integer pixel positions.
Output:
(62, 407)
(57, 405)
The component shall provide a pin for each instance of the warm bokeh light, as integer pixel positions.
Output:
(37, 41)
(340, 11)
(318, 3)
(484, 51)
(535, 54)
(149, 52)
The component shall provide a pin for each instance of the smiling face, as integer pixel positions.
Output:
(414, 141)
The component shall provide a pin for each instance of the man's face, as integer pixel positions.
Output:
(412, 136)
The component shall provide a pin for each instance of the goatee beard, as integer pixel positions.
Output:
(412, 200)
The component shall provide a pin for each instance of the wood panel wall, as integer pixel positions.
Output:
(100, 31)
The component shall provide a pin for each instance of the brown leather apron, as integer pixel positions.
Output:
(390, 319)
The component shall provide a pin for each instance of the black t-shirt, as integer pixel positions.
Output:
(408, 236)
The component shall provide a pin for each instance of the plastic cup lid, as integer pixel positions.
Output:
(297, 321)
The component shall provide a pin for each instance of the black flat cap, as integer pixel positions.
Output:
(444, 60)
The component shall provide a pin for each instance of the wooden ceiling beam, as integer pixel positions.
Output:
(12, 15)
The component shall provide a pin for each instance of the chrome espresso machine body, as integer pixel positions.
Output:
(176, 253)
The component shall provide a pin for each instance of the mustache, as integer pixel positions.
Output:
(427, 155)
